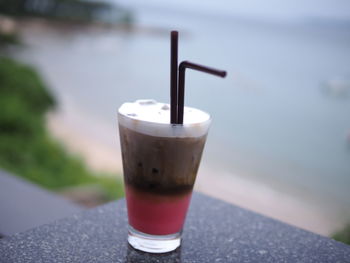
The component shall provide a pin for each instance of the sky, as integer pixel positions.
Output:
(267, 9)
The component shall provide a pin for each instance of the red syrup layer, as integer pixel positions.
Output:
(156, 214)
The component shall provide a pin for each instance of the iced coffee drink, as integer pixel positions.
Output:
(160, 163)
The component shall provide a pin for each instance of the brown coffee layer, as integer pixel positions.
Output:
(162, 165)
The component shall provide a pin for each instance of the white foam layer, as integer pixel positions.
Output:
(153, 118)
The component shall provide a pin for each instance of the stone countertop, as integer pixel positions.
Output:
(214, 232)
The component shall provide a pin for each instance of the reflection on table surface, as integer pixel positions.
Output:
(136, 256)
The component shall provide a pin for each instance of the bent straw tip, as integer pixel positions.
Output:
(187, 64)
(184, 63)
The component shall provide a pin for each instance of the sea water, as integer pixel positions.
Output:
(276, 118)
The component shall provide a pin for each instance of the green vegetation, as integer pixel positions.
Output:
(68, 10)
(343, 235)
(26, 148)
(8, 39)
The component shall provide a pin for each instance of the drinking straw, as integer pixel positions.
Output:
(181, 87)
(173, 76)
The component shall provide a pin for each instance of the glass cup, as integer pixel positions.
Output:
(160, 163)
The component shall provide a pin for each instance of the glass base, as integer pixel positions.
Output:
(153, 243)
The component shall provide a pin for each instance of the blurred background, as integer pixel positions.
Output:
(280, 139)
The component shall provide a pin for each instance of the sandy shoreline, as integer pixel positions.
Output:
(99, 150)
(98, 145)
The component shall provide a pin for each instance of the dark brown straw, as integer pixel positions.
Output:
(173, 76)
(181, 88)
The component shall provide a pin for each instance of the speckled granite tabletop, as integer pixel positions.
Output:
(214, 232)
